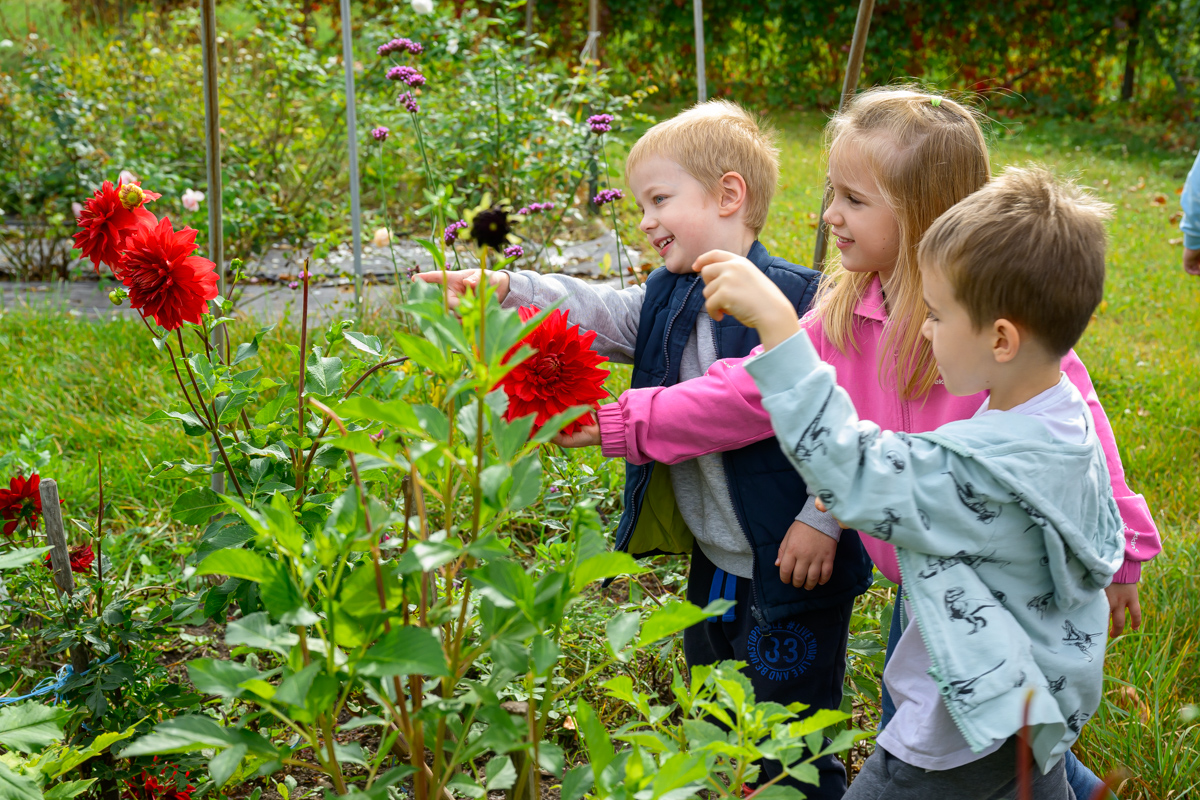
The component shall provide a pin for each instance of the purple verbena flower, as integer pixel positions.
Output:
(534, 208)
(411, 271)
(409, 102)
(607, 196)
(380, 133)
(514, 251)
(600, 123)
(406, 74)
(293, 285)
(451, 232)
(396, 45)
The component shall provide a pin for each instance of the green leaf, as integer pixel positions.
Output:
(365, 343)
(605, 565)
(558, 422)
(510, 437)
(545, 653)
(527, 482)
(179, 735)
(196, 506)
(224, 764)
(31, 726)
(222, 678)
(621, 629)
(17, 787)
(595, 737)
(295, 688)
(671, 619)
(323, 376)
(238, 564)
(397, 415)
(19, 558)
(405, 650)
(501, 774)
(577, 782)
(68, 789)
(465, 785)
(192, 425)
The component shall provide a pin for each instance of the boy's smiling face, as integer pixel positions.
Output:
(681, 219)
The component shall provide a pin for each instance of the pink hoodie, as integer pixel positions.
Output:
(722, 410)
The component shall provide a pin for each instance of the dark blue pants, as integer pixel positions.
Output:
(1083, 781)
(801, 659)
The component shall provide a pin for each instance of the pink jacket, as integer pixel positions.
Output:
(722, 410)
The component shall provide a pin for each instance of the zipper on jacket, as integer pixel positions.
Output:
(935, 669)
(755, 597)
(636, 512)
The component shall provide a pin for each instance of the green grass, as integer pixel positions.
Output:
(90, 383)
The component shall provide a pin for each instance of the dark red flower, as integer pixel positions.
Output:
(82, 557)
(21, 502)
(564, 372)
(105, 222)
(148, 787)
(164, 279)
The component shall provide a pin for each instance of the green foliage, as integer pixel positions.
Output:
(1061, 58)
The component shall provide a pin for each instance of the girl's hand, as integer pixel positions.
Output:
(733, 285)
(461, 281)
(587, 436)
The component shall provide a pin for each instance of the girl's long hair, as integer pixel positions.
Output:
(926, 152)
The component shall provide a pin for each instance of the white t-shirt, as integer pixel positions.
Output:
(922, 733)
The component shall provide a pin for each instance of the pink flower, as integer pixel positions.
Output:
(192, 199)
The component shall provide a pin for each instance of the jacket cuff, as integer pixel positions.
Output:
(1130, 572)
(779, 370)
(1191, 241)
(520, 290)
(612, 431)
(821, 520)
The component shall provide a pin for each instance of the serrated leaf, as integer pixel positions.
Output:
(196, 506)
(405, 650)
(621, 629)
(222, 678)
(17, 787)
(605, 565)
(323, 376)
(669, 620)
(30, 726)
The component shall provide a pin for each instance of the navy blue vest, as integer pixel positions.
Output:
(760, 478)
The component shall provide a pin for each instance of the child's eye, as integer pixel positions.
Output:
(658, 198)
(853, 200)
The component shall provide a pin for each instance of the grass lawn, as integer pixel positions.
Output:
(89, 385)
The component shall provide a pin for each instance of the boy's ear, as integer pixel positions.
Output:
(731, 194)
(1006, 341)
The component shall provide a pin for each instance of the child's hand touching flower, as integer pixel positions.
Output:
(733, 285)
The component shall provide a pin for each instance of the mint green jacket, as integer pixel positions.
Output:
(1005, 536)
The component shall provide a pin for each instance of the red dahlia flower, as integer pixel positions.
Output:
(564, 372)
(82, 558)
(106, 220)
(21, 502)
(147, 787)
(164, 279)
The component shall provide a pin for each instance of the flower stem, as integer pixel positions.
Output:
(387, 220)
(613, 209)
(300, 396)
(212, 424)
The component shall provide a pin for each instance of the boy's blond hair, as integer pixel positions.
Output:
(926, 152)
(711, 139)
(1027, 248)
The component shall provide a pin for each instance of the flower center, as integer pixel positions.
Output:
(547, 367)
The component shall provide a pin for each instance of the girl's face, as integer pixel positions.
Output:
(862, 224)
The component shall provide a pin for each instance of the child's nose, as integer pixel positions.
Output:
(927, 329)
(647, 224)
(831, 215)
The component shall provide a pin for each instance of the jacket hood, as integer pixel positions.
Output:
(1064, 490)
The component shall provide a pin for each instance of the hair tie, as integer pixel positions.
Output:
(935, 101)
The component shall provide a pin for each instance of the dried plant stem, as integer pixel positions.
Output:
(300, 397)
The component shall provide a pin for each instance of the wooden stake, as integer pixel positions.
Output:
(60, 561)
(698, 24)
(858, 46)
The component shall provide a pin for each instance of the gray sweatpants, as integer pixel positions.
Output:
(992, 777)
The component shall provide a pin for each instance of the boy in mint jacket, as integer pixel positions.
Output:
(1004, 524)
